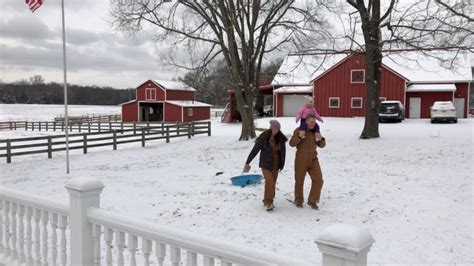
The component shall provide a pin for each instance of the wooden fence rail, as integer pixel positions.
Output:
(79, 127)
(83, 141)
(11, 125)
(93, 118)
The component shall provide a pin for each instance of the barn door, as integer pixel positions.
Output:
(415, 107)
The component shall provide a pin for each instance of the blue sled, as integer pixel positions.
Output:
(246, 179)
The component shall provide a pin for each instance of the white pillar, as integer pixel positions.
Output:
(83, 193)
(344, 245)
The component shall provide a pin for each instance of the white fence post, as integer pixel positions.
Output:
(344, 245)
(83, 193)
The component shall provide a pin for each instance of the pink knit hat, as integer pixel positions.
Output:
(274, 123)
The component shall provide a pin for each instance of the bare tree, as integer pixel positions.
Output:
(36, 80)
(242, 32)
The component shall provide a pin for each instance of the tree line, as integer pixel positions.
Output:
(211, 83)
(35, 91)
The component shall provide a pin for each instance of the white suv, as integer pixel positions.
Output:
(443, 111)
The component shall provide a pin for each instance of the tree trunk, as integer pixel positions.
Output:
(246, 112)
(373, 67)
(373, 59)
(259, 103)
(244, 106)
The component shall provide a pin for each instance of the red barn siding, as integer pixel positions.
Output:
(337, 83)
(462, 91)
(130, 112)
(172, 113)
(392, 87)
(199, 113)
(427, 100)
(179, 95)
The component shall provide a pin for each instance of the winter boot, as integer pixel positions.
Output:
(270, 207)
(313, 205)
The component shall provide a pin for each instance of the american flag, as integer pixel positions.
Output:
(34, 4)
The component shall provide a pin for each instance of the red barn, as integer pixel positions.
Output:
(165, 101)
(338, 83)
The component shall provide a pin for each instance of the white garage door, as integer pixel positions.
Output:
(459, 104)
(415, 107)
(291, 103)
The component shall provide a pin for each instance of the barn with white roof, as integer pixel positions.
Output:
(165, 101)
(336, 81)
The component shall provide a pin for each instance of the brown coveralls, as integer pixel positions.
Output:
(271, 176)
(306, 161)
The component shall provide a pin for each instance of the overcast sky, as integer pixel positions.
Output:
(30, 44)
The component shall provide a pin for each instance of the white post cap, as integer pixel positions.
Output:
(85, 184)
(346, 237)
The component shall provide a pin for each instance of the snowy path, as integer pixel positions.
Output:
(412, 188)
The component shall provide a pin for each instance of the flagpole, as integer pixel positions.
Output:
(66, 118)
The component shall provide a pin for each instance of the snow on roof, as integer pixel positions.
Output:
(413, 65)
(301, 69)
(431, 87)
(189, 103)
(128, 102)
(173, 85)
(418, 67)
(294, 89)
(391, 102)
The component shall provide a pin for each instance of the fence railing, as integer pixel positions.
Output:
(79, 127)
(91, 119)
(11, 125)
(100, 237)
(83, 141)
(59, 122)
(33, 230)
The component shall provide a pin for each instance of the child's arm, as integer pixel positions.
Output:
(299, 114)
(318, 117)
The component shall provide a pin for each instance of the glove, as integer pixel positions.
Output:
(246, 168)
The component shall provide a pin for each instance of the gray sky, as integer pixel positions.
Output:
(30, 44)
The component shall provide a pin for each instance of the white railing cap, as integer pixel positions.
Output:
(85, 184)
(30, 200)
(346, 236)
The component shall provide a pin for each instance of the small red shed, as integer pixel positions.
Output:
(165, 101)
(231, 114)
(338, 82)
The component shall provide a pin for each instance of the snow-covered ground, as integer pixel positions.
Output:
(47, 112)
(412, 188)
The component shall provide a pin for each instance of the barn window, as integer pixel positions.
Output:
(334, 102)
(382, 99)
(150, 94)
(356, 102)
(357, 76)
(190, 111)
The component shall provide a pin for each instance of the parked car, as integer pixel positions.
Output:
(268, 110)
(443, 111)
(391, 111)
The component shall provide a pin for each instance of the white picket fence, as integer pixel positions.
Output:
(38, 231)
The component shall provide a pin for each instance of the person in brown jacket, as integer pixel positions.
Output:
(306, 161)
(271, 145)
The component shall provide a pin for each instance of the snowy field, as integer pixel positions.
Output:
(47, 112)
(412, 188)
